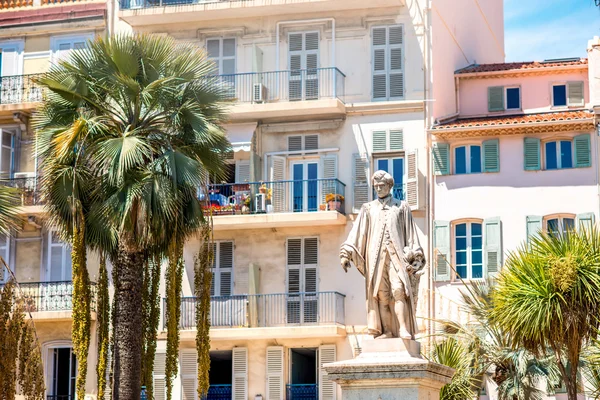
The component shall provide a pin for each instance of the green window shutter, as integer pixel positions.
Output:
(575, 93)
(583, 153)
(441, 158)
(379, 140)
(441, 242)
(534, 226)
(493, 246)
(491, 155)
(531, 149)
(585, 221)
(496, 98)
(396, 139)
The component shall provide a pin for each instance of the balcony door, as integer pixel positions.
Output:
(222, 52)
(302, 265)
(303, 51)
(57, 288)
(62, 373)
(11, 70)
(305, 185)
(395, 167)
(303, 375)
(4, 252)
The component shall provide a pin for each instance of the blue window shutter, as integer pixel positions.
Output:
(496, 98)
(441, 158)
(491, 155)
(493, 246)
(531, 150)
(585, 221)
(534, 226)
(583, 153)
(441, 242)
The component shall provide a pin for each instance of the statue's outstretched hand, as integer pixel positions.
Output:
(345, 263)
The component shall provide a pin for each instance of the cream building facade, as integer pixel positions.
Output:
(323, 93)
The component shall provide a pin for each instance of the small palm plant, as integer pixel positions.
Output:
(548, 298)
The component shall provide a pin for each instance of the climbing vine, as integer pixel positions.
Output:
(81, 304)
(102, 325)
(151, 309)
(173, 277)
(21, 357)
(202, 282)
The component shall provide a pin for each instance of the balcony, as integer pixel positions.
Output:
(290, 93)
(219, 392)
(19, 89)
(302, 392)
(30, 195)
(283, 310)
(252, 205)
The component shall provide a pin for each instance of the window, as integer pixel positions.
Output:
(222, 281)
(559, 95)
(559, 154)
(4, 252)
(61, 373)
(387, 61)
(395, 167)
(468, 240)
(63, 45)
(303, 52)
(7, 147)
(560, 224)
(568, 94)
(513, 98)
(222, 52)
(467, 159)
(59, 259)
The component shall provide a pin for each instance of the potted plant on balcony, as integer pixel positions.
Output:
(246, 203)
(335, 202)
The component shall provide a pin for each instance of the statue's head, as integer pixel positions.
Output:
(382, 183)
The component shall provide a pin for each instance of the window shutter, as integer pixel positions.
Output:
(311, 142)
(360, 172)
(583, 154)
(491, 155)
(189, 373)
(295, 143)
(575, 93)
(441, 159)
(396, 139)
(496, 98)
(312, 41)
(242, 171)
(441, 240)
(294, 263)
(412, 179)
(493, 246)
(311, 261)
(275, 373)
(379, 141)
(585, 221)
(396, 79)
(159, 376)
(327, 388)
(534, 226)
(329, 168)
(226, 268)
(531, 148)
(277, 176)
(240, 374)
(379, 45)
(295, 42)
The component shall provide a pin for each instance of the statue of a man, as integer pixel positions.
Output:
(384, 247)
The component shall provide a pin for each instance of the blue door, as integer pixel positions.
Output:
(305, 186)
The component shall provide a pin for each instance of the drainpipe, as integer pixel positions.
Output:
(305, 21)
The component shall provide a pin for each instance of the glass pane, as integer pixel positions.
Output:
(568, 224)
(68, 264)
(383, 165)
(476, 243)
(228, 68)
(461, 258)
(398, 169)
(79, 45)
(477, 271)
(6, 158)
(476, 257)
(551, 160)
(461, 243)
(460, 160)
(64, 46)
(6, 139)
(312, 186)
(54, 238)
(56, 263)
(298, 196)
(475, 159)
(512, 98)
(560, 95)
(2, 240)
(228, 47)
(461, 271)
(553, 225)
(566, 155)
(212, 47)
(461, 230)
(476, 229)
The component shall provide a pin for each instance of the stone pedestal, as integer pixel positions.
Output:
(389, 369)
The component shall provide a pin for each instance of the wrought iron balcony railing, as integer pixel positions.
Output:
(30, 195)
(218, 392)
(309, 195)
(51, 296)
(268, 310)
(302, 392)
(131, 4)
(18, 89)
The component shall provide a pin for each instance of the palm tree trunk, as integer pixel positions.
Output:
(128, 327)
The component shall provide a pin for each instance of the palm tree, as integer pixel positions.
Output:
(547, 298)
(128, 130)
(454, 354)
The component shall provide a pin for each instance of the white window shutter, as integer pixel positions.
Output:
(441, 242)
(275, 373)
(396, 71)
(310, 263)
(240, 374)
(360, 172)
(225, 268)
(294, 264)
(329, 165)
(311, 142)
(189, 373)
(493, 246)
(10, 61)
(160, 389)
(295, 42)
(277, 175)
(388, 63)
(380, 141)
(396, 139)
(327, 388)
(295, 143)
(412, 180)
(575, 93)
(242, 171)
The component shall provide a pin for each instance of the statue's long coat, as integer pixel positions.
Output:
(366, 245)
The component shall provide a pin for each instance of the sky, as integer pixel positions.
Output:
(541, 29)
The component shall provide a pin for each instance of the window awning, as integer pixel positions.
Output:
(240, 135)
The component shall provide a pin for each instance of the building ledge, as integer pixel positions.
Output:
(287, 110)
(278, 220)
(284, 332)
(56, 316)
(385, 107)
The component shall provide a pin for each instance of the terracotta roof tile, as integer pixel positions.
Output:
(515, 120)
(520, 66)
